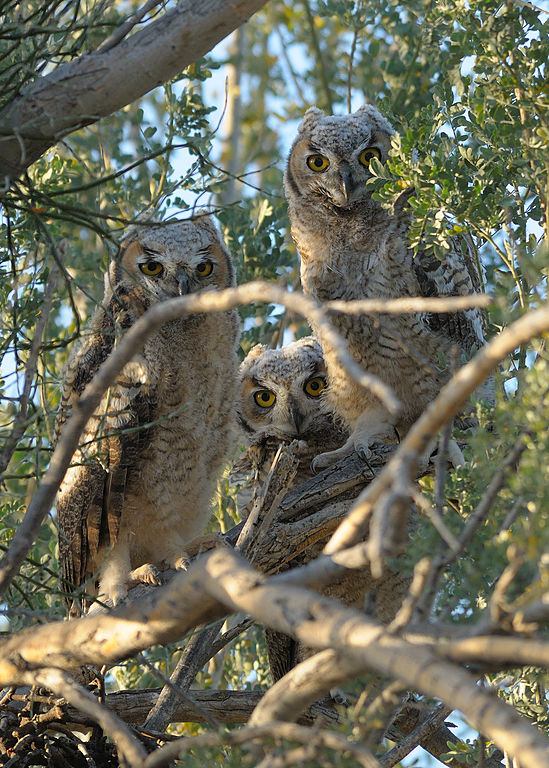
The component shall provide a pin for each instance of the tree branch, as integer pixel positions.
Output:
(221, 579)
(277, 730)
(320, 622)
(19, 421)
(96, 85)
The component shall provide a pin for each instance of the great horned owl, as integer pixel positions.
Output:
(352, 248)
(141, 482)
(281, 399)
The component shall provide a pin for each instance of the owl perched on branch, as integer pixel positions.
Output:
(140, 484)
(352, 248)
(281, 398)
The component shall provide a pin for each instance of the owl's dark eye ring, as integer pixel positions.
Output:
(151, 268)
(314, 386)
(205, 268)
(318, 163)
(368, 154)
(265, 398)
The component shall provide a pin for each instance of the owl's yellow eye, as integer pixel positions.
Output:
(205, 268)
(368, 154)
(318, 162)
(264, 398)
(315, 386)
(151, 268)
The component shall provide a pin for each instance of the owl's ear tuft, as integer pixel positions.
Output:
(310, 119)
(312, 342)
(256, 351)
(380, 123)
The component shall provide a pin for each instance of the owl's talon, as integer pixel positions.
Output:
(145, 574)
(364, 454)
(322, 461)
(182, 563)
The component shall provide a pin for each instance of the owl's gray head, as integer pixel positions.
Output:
(330, 157)
(162, 261)
(280, 391)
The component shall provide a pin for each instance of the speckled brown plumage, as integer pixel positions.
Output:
(352, 248)
(142, 479)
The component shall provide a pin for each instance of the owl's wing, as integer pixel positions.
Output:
(90, 503)
(457, 275)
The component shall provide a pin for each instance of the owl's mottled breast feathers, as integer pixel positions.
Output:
(142, 478)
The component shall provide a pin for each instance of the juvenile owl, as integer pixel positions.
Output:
(140, 484)
(281, 398)
(352, 248)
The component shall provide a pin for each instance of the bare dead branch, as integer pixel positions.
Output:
(192, 659)
(132, 706)
(411, 741)
(178, 693)
(494, 650)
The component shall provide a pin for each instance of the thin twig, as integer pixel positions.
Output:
(277, 730)
(128, 25)
(319, 58)
(474, 521)
(19, 422)
(356, 30)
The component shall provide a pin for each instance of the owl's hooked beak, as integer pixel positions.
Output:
(182, 282)
(346, 181)
(297, 417)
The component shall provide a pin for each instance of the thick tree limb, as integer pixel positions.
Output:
(221, 579)
(95, 85)
(229, 707)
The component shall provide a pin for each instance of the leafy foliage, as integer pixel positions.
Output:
(465, 84)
